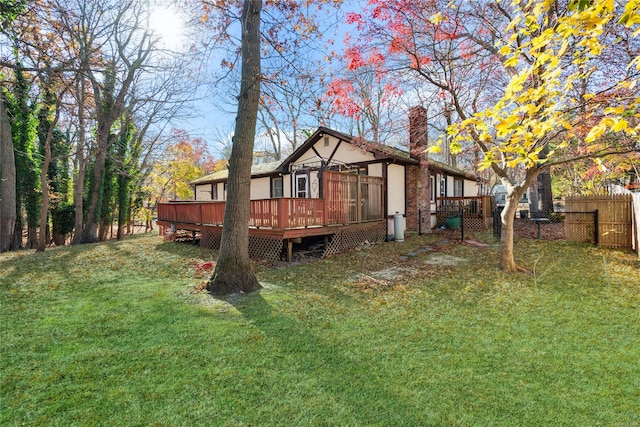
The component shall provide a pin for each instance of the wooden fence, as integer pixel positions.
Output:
(476, 210)
(614, 221)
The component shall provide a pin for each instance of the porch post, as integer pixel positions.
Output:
(283, 213)
(358, 199)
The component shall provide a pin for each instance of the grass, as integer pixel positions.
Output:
(114, 334)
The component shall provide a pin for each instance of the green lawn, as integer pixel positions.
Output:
(115, 334)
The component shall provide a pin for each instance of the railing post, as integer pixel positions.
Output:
(283, 213)
(324, 212)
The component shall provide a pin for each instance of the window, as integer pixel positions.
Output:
(302, 185)
(326, 141)
(276, 187)
(443, 187)
(214, 191)
(224, 192)
(458, 188)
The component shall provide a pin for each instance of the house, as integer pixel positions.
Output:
(500, 195)
(337, 187)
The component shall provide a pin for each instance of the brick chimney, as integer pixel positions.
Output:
(418, 132)
(421, 185)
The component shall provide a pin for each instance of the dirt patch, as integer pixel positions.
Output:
(382, 279)
(444, 259)
(392, 273)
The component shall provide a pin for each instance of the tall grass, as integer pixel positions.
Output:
(116, 334)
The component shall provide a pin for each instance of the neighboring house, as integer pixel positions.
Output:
(500, 195)
(349, 186)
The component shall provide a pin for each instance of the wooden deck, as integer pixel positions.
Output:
(352, 204)
(289, 217)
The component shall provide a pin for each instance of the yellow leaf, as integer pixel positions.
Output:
(505, 50)
(511, 62)
(436, 19)
(621, 125)
(595, 133)
(614, 110)
(607, 122)
(565, 124)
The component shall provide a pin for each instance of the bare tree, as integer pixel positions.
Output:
(44, 184)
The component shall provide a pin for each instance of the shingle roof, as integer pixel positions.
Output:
(398, 152)
(386, 150)
(260, 169)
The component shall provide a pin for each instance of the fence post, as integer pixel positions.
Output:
(596, 231)
(497, 223)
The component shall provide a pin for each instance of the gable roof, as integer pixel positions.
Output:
(450, 170)
(380, 151)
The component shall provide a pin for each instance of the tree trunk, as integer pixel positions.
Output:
(507, 259)
(78, 192)
(90, 231)
(78, 186)
(7, 182)
(545, 194)
(514, 193)
(44, 210)
(18, 238)
(534, 199)
(233, 271)
(32, 236)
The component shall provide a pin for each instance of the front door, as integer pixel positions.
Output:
(302, 185)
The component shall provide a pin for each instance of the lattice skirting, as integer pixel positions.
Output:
(351, 238)
(210, 239)
(469, 223)
(265, 247)
(260, 247)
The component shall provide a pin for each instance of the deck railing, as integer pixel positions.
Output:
(281, 213)
(348, 199)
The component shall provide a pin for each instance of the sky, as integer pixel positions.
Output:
(211, 117)
(203, 119)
